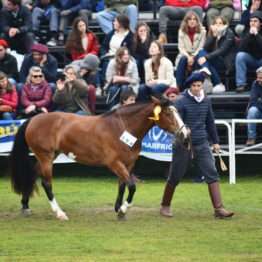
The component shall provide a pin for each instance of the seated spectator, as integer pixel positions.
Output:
(255, 107)
(250, 51)
(39, 57)
(176, 10)
(225, 9)
(219, 51)
(8, 63)
(121, 75)
(71, 95)
(8, 98)
(120, 36)
(139, 50)
(191, 39)
(106, 18)
(16, 26)
(159, 73)
(253, 5)
(81, 41)
(70, 10)
(46, 11)
(36, 95)
(89, 68)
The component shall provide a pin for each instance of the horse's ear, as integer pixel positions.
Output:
(155, 100)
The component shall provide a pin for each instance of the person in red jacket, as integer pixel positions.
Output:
(36, 94)
(8, 97)
(81, 41)
(176, 10)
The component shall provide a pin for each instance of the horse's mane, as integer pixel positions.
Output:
(163, 103)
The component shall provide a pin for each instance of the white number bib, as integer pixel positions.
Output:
(128, 139)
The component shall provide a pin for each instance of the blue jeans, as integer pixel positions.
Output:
(79, 112)
(243, 61)
(213, 65)
(156, 91)
(141, 69)
(253, 113)
(114, 93)
(105, 18)
(7, 116)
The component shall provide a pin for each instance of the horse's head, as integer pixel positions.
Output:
(167, 118)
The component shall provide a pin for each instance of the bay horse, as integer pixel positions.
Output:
(91, 140)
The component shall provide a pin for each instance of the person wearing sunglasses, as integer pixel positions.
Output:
(36, 94)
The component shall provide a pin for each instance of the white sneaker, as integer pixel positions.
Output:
(98, 91)
(219, 88)
(205, 70)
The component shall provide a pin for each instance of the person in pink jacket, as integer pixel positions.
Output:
(176, 10)
(36, 94)
(224, 8)
(81, 41)
(8, 97)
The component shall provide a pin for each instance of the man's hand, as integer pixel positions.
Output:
(66, 12)
(30, 108)
(43, 61)
(201, 60)
(216, 148)
(13, 32)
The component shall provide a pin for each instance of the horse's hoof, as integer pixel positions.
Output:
(26, 212)
(122, 216)
(63, 217)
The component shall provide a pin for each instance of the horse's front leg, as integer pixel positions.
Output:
(55, 207)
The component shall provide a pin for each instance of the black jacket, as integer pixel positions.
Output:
(8, 65)
(226, 49)
(252, 44)
(23, 20)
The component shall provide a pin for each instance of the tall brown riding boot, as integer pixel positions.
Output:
(215, 196)
(166, 201)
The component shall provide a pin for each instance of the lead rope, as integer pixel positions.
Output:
(121, 120)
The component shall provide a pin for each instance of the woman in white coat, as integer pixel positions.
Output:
(191, 39)
(159, 73)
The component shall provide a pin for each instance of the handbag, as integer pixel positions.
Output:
(5, 108)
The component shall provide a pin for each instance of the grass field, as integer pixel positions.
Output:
(94, 234)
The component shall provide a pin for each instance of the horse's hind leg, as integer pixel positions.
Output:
(46, 173)
(25, 206)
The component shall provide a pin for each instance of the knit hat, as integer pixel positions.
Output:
(257, 14)
(3, 43)
(194, 78)
(90, 62)
(39, 48)
(171, 90)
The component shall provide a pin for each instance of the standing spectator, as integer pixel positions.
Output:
(106, 18)
(121, 75)
(250, 51)
(69, 10)
(225, 9)
(253, 5)
(255, 107)
(81, 41)
(120, 36)
(196, 111)
(8, 97)
(71, 95)
(219, 51)
(16, 26)
(176, 10)
(191, 39)
(159, 73)
(47, 11)
(36, 94)
(139, 50)
(8, 63)
(41, 58)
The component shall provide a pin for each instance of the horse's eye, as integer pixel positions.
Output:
(168, 114)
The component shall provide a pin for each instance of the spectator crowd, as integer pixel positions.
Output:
(130, 57)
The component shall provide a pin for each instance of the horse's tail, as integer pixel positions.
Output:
(20, 168)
